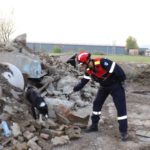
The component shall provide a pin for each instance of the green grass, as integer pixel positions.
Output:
(57, 54)
(116, 58)
(126, 58)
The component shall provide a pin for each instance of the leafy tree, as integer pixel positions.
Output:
(56, 50)
(131, 43)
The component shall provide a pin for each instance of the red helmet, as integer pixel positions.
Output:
(83, 57)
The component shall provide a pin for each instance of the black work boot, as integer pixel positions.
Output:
(94, 126)
(124, 136)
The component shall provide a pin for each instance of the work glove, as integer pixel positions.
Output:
(67, 95)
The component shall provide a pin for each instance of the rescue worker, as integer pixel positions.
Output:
(111, 78)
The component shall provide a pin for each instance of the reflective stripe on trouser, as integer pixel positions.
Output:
(97, 105)
(96, 112)
(122, 120)
(118, 94)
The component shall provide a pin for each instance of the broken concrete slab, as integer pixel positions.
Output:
(20, 146)
(67, 114)
(33, 145)
(60, 140)
(31, 66)
(11, 74)
(74, 132)
(143, 133)
(16, 129)
(57, 101)
(28, 135)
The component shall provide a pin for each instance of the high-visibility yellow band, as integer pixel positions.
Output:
(97, 62)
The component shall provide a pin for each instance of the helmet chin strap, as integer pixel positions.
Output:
(89, 64)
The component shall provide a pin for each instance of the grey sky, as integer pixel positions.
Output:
(80, 21)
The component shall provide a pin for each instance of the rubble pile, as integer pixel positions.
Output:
(63, 123)
(66, 118)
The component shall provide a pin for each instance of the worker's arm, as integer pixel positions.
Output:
(82, 83)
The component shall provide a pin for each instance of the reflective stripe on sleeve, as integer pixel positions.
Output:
(122, 117)
(96, 113)
(112, 67)
(86, 77)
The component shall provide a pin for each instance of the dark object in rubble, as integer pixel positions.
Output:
(72, 60)
(142, 92)
(37, 103)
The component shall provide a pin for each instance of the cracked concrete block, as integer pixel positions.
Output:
(28, 135)
(44, 136)
(60, 140)
(20, 146)
(73, 132)
(16, 129)
(33, 145)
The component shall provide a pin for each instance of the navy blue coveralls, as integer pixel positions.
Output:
(110, 76)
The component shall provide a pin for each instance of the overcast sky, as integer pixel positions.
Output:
(80, 21)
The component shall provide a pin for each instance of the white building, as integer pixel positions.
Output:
(147, 52)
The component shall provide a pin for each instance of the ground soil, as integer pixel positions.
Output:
(108, 138)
